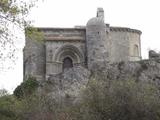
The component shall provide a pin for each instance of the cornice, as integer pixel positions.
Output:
(124, 29)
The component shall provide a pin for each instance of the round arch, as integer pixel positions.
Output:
(68, 51)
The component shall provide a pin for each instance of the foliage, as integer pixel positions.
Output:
(7, 108)
(121, 100)
(13, 14)
(26, 88)
(33, 107)
(15, 10)
(100, 100)
(34, 34)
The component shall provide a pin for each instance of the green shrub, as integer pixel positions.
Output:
(26, 88)
(120, 100)
(7, 108)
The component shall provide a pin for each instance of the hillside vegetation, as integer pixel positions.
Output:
(102, 99)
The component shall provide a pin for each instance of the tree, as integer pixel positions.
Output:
(14, 11)
(13, 15)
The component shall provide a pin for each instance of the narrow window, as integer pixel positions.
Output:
(136, 51)
(67, 63)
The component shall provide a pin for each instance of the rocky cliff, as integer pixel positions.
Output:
(69, 83)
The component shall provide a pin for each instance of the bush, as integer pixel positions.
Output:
(120, 100)
(26, 88)
(100, 100)
(7, 109)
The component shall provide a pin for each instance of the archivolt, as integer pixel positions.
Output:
(69, 51)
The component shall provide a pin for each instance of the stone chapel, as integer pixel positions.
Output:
(86, 46)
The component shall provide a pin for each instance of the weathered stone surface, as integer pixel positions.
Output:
(67, 84)
(96, 40)
(34, 59)
(88, 46)
(145, 70)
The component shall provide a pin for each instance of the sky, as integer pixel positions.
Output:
(137, 14)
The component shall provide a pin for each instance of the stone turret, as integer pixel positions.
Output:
(96, 40)
(100, 13)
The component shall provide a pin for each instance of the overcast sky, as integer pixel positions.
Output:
(138, 14)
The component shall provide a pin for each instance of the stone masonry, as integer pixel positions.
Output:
(96, 43)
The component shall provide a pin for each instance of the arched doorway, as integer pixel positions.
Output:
(67, 56)
(67, 63)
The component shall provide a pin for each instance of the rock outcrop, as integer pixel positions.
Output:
(68, 84)
(145, 70)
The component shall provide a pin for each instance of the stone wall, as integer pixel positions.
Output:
(34, 60)
(62, 43)
(119, 46)
(135, 47)
(122, 44)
